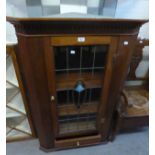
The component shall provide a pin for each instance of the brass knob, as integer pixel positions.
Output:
(52, 98)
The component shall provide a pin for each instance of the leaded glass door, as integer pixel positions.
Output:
(79, 65)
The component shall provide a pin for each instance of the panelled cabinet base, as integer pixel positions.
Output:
(73, 71)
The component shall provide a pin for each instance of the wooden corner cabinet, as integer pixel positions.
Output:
(73, 71)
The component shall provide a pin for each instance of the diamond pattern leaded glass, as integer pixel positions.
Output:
(79, 87)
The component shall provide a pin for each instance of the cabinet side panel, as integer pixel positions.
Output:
(30, 57)
(121, 60)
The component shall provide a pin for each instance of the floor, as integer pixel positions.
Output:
(135, 143)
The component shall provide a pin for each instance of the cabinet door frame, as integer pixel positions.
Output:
(102, 109)
(50, 69)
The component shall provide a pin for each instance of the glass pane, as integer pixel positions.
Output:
(79, 78)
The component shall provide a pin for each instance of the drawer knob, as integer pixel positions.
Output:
(78, 143)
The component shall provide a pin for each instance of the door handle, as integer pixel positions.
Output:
(52, 98)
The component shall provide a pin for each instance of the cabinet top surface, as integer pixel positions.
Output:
(69, 25)
(72, 18)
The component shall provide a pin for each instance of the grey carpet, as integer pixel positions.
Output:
(136, 143)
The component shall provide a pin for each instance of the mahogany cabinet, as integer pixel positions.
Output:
(73, 71)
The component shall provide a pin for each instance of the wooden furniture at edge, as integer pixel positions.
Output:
(19, 129)
(40, 40)
(134, 107)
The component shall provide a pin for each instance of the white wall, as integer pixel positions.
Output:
(134, 9)
(137, 9)
(16, 8)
